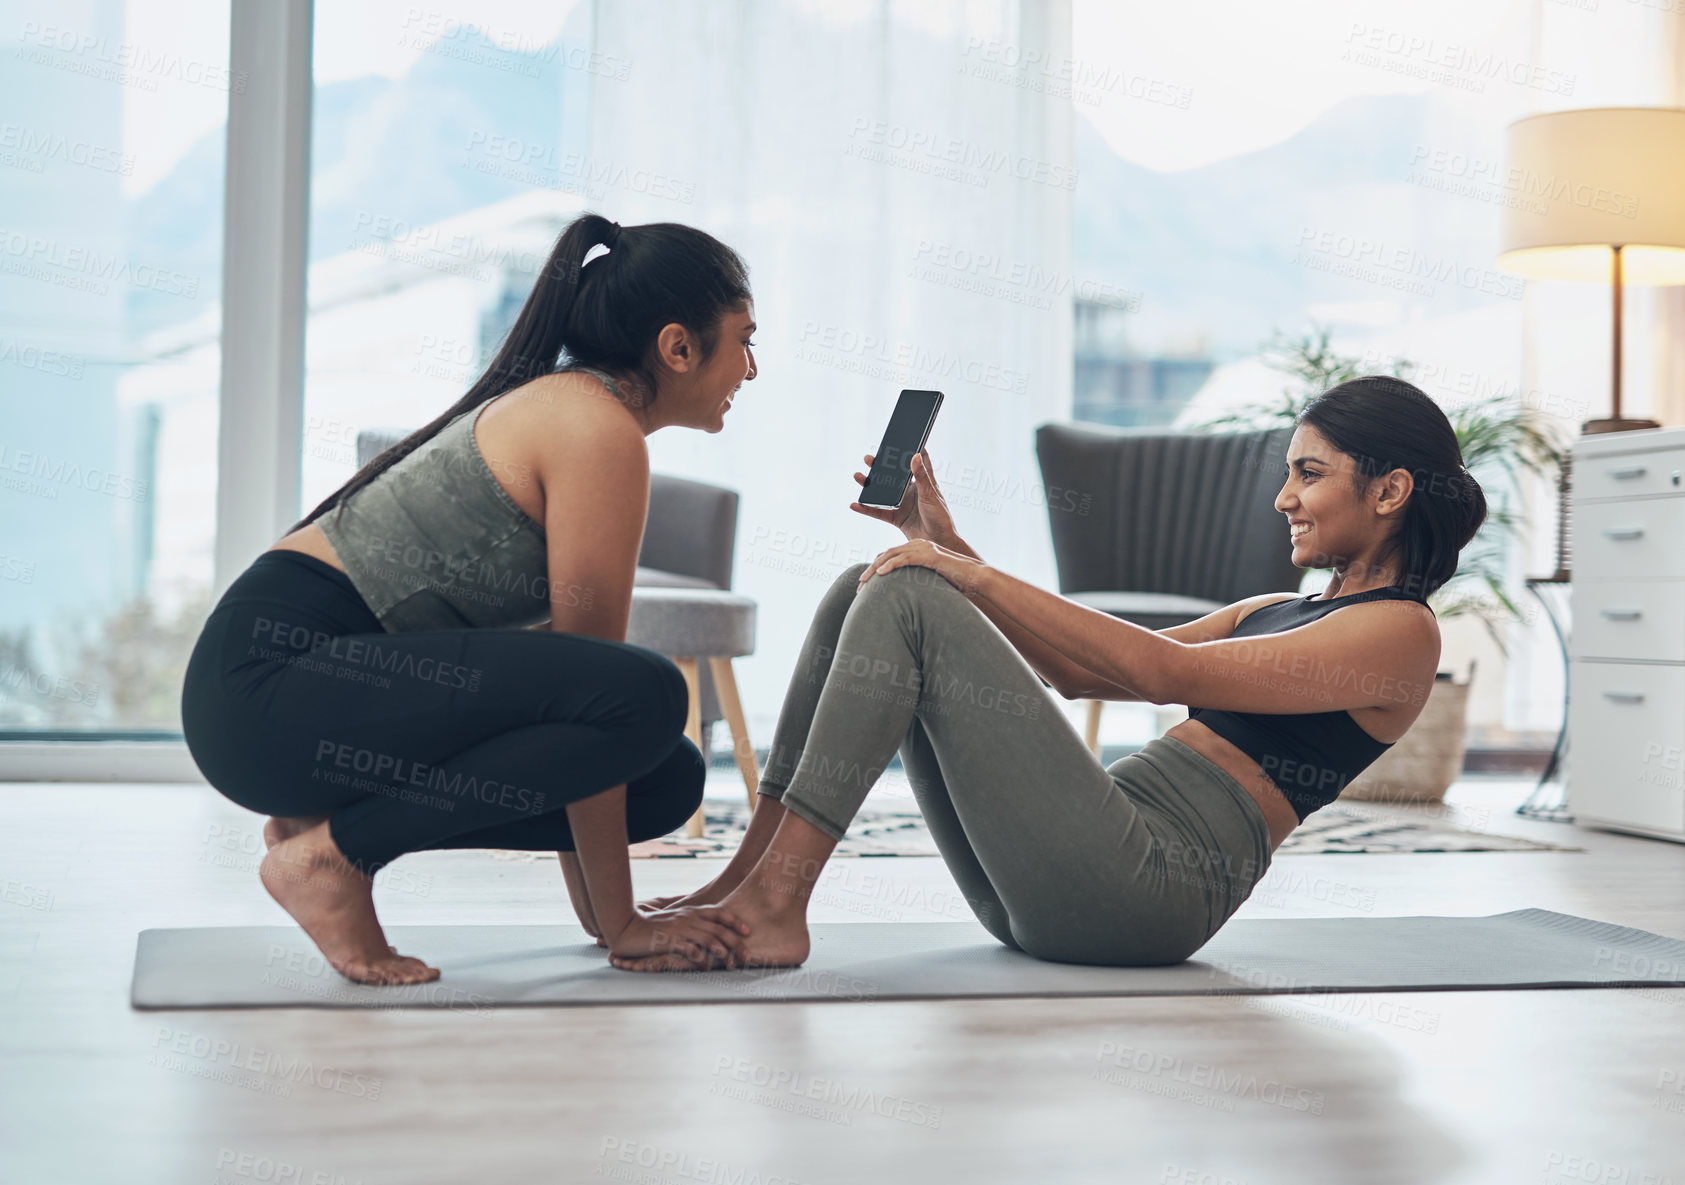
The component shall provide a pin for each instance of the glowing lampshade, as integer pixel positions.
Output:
(1586, 181)
(1597, 194)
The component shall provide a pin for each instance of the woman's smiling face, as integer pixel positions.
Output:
(696, 392)
(1326, 523)
(730, 366)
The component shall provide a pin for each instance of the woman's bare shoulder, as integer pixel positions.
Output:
(1242, 609)
(1220, 623)
(568, 394)
(553, 435)
(569, 413)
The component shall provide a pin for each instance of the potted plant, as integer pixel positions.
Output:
(1496, 434)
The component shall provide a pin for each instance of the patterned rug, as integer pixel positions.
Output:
(874, 832)
(1353, 827)
(1367, 827)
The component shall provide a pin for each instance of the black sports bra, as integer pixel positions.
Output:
(1310, 756)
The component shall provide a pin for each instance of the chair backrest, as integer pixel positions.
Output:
(1159, 510)
(691, 527)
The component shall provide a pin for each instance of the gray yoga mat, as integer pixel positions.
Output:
(492, 966)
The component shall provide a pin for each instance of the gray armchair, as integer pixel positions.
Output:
(1160, 527)
(690, 540)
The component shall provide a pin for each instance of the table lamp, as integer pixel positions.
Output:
(1600, 196)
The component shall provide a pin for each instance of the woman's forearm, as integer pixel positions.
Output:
(1069, 677)
(578, 893)
(598, 824)
(1107, 649)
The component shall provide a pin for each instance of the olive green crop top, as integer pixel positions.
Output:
(436, 542)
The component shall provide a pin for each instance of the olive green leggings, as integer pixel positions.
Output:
(1136, 864)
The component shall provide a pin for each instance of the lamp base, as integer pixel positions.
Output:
(1616, 424)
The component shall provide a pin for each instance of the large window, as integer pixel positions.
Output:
(1048, 210)
(1359, 190)
(1338, 176)
(840, 148)
(112, 119)
(443, 165)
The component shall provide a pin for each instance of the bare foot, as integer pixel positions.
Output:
(285, 827)
(334, 904)
(777, 935)
(711, 893)
(654, 963)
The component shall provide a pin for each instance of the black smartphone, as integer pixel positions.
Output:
(892, 464)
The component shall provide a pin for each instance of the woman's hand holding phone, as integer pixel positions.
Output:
(923, 513)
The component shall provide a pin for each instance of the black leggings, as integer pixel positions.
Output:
(296, 701)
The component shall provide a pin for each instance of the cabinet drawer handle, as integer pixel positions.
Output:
(1623, 474)
(1622, 614)
(1622, 532)
(1625, 697)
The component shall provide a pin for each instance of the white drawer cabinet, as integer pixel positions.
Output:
(1641, 619)
(1626, 670)
(1629, 539)
(1627, 758)
(1658, 469)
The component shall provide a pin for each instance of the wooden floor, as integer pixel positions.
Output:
(1479, 1088)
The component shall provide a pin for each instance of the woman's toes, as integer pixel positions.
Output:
(653, 963)
(415, 971)
(390, 972)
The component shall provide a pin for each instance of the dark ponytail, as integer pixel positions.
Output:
(1385, 423)
(605, 314)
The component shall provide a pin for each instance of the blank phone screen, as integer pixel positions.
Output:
(892, 464)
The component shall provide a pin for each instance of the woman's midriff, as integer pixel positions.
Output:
(1278, 812)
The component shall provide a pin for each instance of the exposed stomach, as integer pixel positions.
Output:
(1278, 812)
(311, 540)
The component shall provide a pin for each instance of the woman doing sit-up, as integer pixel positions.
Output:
(435, 656)
(931, 651)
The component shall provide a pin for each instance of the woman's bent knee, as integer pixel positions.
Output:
(916, 581)
(843, 589)
(662, 800)
(656, 689)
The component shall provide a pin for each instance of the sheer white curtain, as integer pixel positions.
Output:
(1668, 330)
(898, 177)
